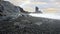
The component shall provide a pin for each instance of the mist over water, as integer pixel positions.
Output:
(51, 16)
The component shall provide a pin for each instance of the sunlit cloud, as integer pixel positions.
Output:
(39, 3)
(19, 2)
(29, 9)
(51, 10)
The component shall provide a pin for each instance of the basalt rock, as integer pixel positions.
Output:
(8, 11)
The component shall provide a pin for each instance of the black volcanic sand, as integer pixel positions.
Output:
(30, 25)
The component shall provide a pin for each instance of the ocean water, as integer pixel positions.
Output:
(46, 15)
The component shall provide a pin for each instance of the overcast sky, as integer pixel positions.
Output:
(47, 6)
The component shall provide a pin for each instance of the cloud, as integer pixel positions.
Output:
(51, 10)
(39, 2)
(45, 5)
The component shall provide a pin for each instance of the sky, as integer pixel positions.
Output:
(46, 6)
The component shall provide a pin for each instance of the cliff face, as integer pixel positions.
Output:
(8, 10)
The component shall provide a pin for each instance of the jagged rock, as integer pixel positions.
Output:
(8, 11)
(37, 10)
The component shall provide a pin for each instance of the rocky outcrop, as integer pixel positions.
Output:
(8, 11)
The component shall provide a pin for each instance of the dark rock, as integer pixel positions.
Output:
(37, 10)
(8, 11)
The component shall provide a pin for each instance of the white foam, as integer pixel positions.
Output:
(51, 16)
